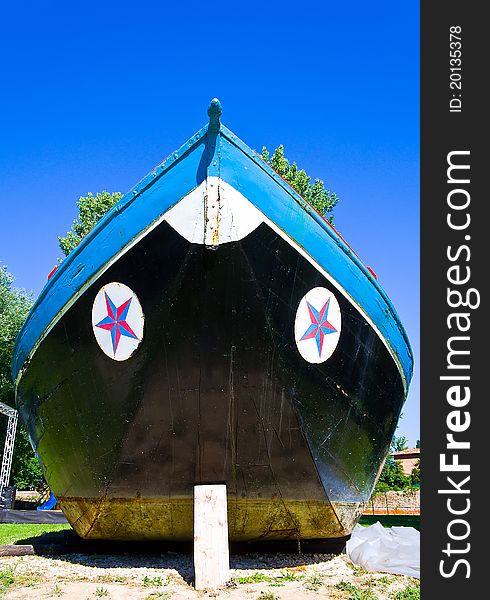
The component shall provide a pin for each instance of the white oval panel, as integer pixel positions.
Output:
(117, 320)
(317, 325)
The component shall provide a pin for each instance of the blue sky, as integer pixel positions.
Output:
(95, 94)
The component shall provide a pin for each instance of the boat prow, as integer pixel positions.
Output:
(212, 328)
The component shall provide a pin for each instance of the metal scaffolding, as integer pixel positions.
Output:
(8, 449)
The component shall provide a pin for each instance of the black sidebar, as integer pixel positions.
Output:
(454, 125)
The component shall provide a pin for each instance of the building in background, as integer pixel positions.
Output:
(408, 459)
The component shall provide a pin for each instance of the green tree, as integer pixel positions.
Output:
(398, 444)
(415, 475)
(314, 193)
(90, 210)
(14, 306)
(392, 477)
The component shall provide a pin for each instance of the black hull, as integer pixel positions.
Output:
(217, 392)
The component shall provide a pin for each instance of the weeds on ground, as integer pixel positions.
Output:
(285, 576)
(267, 596)
(363, 595)
(357, 570)
(20, 579)
(254, 578)
(277, 581)
(57, 591)
(6, 579)
(383, 582)
(107, 578)
(101, 592)
(313, 583)
(155, 581)
(411, 592)
(290, 576)
(345, 586)
(355, 593)
(162, 595)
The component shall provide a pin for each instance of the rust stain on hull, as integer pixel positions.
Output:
(164, 519)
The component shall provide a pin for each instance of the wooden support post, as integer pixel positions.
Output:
(211, 554)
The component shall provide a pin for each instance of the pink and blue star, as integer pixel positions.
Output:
(320, 326)
(115, 322)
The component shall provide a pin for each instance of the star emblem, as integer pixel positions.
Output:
(320, 326)
(115, 321)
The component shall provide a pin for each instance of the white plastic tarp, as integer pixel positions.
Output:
(391, 550)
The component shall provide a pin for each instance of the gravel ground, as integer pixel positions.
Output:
(264, 577)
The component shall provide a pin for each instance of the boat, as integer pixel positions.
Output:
(212, 328)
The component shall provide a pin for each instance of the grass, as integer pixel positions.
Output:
(383, 582)
(354, 592)
(57, 591)
(345, 586)
(313, 583)
(27, 533)
(392, 520)
(6, 580)
(156, 581)
(290, 576)
(272, 581)
(107, 578)
(254, 578)
(267, 596)
(154, 595)
(411, 592)
(357, 569)
(363, 595)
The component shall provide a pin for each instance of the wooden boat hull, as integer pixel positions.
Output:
(216, 392)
